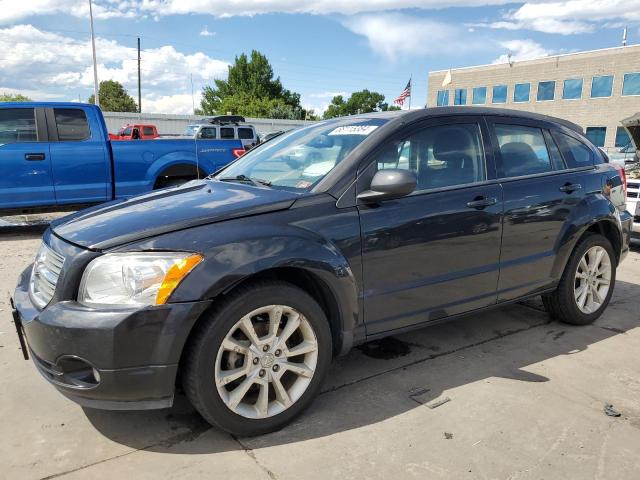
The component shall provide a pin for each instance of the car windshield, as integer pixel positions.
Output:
(191, 130)
(299, 159)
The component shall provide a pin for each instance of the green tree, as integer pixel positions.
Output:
(13, 97)
(114, 98)
(363, 101)
(251, 90)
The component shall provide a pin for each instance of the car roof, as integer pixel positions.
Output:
(433, 112)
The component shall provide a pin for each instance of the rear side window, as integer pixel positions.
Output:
(147, 130)
(72, 124)
(245, 133)
(576, 154)
(17, 125)
(227, 133)
(523, 150)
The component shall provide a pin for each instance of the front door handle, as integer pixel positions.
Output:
(482, 202)
(34, 156)
(570, 187)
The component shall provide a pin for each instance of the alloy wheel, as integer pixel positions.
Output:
(266, 361)
(592, 279)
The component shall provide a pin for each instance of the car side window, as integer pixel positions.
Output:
(72, 124)
(245, 133)
(147, 130)
(17, 125)
(227, 133)
(522, 149)
(576, 154)
(208, 133)
(441, 156)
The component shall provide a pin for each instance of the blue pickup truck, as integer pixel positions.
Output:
(59, 156)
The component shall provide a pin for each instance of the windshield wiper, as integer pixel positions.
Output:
(245, 179)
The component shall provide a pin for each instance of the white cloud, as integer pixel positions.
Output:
(42, 61)
(15, 10)
(569, 17)
(522, 50)
(178, 104)
(394, 35)
(36, 95)
(206, 33)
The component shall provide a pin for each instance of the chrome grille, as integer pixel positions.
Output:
(44, 276)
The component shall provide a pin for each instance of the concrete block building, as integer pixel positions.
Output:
(594, 89)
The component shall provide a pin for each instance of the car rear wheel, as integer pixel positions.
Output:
(587, 283)
(256, 362)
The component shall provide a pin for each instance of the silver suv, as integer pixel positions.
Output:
(223, 129)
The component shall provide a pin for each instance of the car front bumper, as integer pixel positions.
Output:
(109, 359)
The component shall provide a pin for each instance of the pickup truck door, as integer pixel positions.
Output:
(79, 156)
(25, 163)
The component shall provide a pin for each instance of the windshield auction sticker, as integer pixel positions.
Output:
(353, 130)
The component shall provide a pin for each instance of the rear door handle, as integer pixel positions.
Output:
(482, 202)
(570, 187)
(34, 156)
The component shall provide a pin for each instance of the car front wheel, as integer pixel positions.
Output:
(256, 362)
(587, 283)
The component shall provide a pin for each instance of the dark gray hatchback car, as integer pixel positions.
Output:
(245, 285)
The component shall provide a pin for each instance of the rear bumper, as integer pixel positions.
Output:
(118, 359)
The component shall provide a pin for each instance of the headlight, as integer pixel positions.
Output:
(134, 279)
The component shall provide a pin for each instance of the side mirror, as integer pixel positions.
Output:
(389, 184)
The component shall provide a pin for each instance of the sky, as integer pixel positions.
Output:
(318, 48)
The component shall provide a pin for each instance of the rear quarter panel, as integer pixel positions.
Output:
(138, 163)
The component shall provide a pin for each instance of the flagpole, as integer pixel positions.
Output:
(411, 91)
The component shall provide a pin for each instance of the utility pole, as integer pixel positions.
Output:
(139, 81)
(624, 37)
(95, 65)
(193, 103)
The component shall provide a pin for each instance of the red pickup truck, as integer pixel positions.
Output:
(135, 132)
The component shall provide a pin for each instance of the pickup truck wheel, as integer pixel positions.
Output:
(587, 283)
(259, 359)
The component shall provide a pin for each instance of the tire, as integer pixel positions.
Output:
(563, 303)
(208, 365)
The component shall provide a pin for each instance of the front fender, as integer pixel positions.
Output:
(237, 250)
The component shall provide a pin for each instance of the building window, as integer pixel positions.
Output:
(443, 98)
(479, 96)
(601, 86)
(546, 91)
(499, 94)
(460, 96)
(521, 92)
(622, 137)
(572, 89)
(596, 135)
(631, 84)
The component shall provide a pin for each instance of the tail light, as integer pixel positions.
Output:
(623, 177)
(238, 152)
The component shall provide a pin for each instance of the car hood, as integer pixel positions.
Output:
(163, 211)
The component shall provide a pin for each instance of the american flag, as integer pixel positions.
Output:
(403, 96)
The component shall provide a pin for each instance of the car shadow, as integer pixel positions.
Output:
(386, 378)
